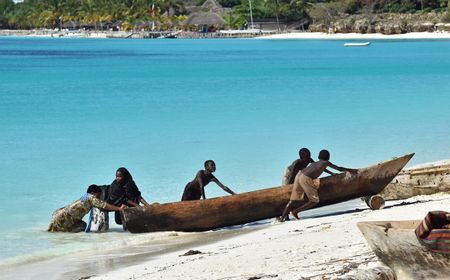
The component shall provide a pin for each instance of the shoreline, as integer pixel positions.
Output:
(325, 243)
(324, 247)
(86, 264)
(358, 36)
(438, 35)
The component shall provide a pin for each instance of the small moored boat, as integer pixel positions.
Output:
(396, 245)
(201, 215)
(365, 44)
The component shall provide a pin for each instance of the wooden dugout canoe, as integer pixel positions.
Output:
(396, 245)
(201, 215)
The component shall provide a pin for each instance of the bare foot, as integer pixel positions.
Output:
(295, 214)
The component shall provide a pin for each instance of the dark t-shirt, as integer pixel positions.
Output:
(119, 194)
(116, 194)
(132, 192)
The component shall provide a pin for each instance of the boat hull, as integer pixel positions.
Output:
(396, 245)
(418, 181)
(201, 215)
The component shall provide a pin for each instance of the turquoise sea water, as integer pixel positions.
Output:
(74, 110)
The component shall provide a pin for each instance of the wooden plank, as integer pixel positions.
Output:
(431, 170)
(424, 170)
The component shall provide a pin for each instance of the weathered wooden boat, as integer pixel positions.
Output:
(396, 245)
(429, 179)
(201, 215)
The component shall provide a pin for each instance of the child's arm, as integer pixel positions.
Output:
(225, 188)
(105, 205)
(114, 208)
(329, 172)
(144, 201)
(132, 203)
(342, 169)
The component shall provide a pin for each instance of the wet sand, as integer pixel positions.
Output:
(327, 246)
(87, 264)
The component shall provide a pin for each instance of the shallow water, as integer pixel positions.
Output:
(74, 110)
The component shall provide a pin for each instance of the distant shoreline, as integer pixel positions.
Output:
(359, 36)
(172, 34)
(45, 33)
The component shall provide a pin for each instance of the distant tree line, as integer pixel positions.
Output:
(98, 14)
(93, 13)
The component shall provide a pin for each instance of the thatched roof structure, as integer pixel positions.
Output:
(209, 13)
(205, 18)
(212, 6)
(207, 6)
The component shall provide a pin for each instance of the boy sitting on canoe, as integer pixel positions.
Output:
(195, 189)
(306, 183)
(69, 218)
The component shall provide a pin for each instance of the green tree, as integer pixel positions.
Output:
(6, 7)
(52, 11)
(447, 15)
(228, 3)
(296, 11)
(20, 17)
(326, 13)
(234, 19)
(166, 6)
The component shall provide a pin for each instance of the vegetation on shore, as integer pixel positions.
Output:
(170, 14)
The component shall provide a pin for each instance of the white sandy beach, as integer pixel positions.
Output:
(327, 247)
(359, 36)
(438, 35)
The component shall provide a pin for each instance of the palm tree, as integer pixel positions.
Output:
(87, 13)
(6, 7)
(166, 5)
(52, 12)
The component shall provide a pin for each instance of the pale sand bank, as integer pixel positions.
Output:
(439, 35)
(358, 36)
(429, 164)
(317, 248)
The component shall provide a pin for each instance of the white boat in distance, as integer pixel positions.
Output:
(365, 44)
